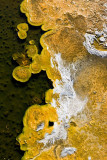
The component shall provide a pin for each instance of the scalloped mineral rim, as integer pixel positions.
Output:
(23, 26)
(54, 13)
(21, 73)
(22, 30)
(79, 96)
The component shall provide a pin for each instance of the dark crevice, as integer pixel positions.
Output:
(51, 124)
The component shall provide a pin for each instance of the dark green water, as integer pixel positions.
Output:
(15, 97)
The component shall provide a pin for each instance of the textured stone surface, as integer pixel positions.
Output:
(79, 95)
(55, 13)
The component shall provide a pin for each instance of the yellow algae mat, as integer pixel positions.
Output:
(72, 124)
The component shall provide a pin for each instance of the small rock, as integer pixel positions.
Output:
(98, 34)
(105, 35)
(102, 39)
(105, 30)
(105, 45)
(66, 125)
(94, 92)
(67, 151)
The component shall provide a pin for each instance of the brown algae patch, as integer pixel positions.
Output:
(31, 50)
(21, 59)
(29, 62)
(71, 125)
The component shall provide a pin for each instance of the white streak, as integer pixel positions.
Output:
(89, 158)
(58, 133)
(40, 127)
(52, 65)
(67, 151)
(90, 47)
(69, 103)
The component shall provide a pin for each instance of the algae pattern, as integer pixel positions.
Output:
(16, 97)
(72, 122)
(69, 120)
